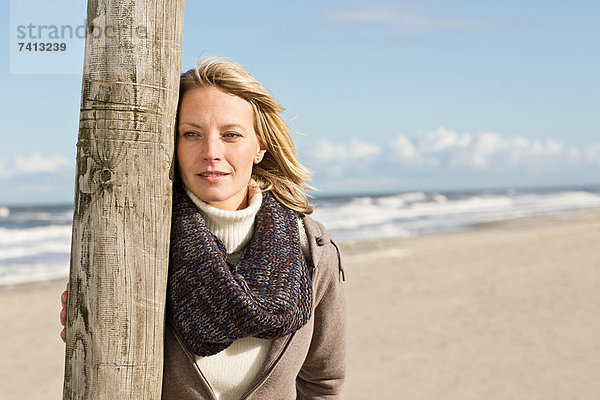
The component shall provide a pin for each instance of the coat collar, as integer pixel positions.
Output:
(317, 237)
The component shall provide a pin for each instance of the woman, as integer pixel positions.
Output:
(255, 305)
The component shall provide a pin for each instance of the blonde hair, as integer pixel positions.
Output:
(279, 171)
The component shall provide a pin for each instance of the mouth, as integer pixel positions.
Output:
(213, 174)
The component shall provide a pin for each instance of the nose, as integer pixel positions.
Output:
(212, 149)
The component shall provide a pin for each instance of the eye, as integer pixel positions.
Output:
(232, 135)
(189, 134)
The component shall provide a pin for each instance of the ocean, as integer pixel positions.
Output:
(35, 241)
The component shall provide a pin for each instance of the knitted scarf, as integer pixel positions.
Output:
(267, 294)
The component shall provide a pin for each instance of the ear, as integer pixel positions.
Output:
(260, 153)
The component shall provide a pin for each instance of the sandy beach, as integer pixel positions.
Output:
(507, 311)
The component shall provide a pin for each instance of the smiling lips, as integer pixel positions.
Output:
(212, 176)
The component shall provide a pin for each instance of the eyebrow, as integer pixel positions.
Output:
(226, 126)
(229, 126)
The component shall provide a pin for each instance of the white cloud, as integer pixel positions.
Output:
(481, 150)
(574, 152)
(592, 154)
(31, 164)
(405, 152)
(36, 163)
(336, 159)
(491, 151)
(445, 148)
(446, 158)
(327, 151)
(406, 18)
(404, 149)
(449, 157)
(443, 139)
(363, 150)
(355, 150)
(3, 168)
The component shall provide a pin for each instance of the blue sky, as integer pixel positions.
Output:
(387, 96)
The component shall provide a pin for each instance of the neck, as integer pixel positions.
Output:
(236, 203)
(233, 227)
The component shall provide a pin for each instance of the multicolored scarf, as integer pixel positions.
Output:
(267, 294)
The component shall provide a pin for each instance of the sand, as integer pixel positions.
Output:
(508, 311)
(32, 354)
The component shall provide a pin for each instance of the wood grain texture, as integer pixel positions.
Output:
(122, 212)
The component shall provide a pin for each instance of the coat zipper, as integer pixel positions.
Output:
(192, 359)
(212, 392)
(270, 370)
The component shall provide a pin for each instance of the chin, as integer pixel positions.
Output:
(208, 197)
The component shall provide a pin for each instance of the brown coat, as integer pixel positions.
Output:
(308, 364)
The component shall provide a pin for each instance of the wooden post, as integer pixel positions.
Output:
(122, 211)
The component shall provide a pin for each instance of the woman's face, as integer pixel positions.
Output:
(217, 146)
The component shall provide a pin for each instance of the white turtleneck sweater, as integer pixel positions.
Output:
(231, 372)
